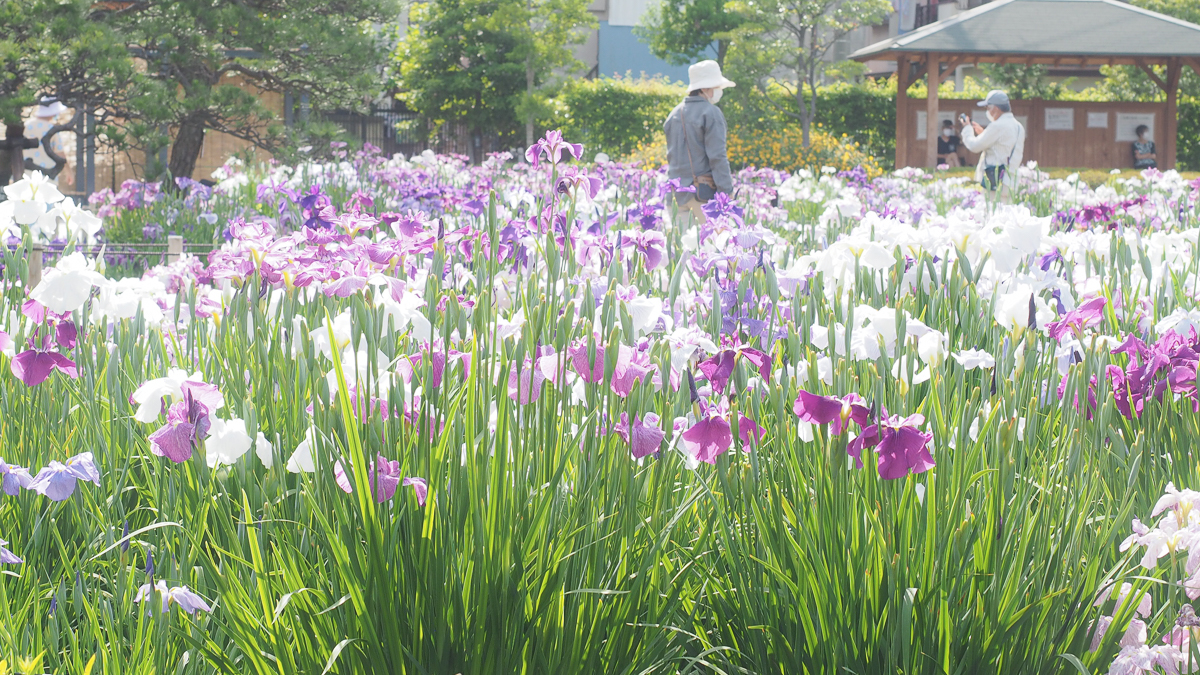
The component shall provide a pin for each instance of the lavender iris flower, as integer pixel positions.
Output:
(6, 556)
(180, 595)
(13, 478)
(57, 480)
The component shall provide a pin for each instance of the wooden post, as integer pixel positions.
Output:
(1171, 123)
(933, 76)
(174, 248)
(35, 265)
(902, 128)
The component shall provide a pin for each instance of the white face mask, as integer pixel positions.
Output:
(715, 97)
(993, 116)
(947, 132)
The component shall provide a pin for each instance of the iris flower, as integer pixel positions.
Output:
(57, 480)
(719, 367)
(34, 366)
(901, 446)
(13, 478)
(645, 437)
(7, 556)
(552, 148)
(180, 595)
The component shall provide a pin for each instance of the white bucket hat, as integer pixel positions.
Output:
(49, 106)
(707, 75)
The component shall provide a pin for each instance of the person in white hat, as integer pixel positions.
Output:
(1001, 145)
(45, 117)
(695, 130)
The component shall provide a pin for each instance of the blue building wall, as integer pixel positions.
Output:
(620, 52)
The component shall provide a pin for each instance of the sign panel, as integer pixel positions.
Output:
(1127, 122)
(1060, 119)
(943, 115)
(1097, 120)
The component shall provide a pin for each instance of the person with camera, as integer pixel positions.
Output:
(696, 151)
(1001, 146)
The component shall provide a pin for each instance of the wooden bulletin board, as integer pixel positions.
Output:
(1049, 141)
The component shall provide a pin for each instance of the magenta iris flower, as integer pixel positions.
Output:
(899, 443)
(34, 366)
(1087, 314)
(8, 557)
(816, 409)
(57, 480)
(708, 439)
(718, 368)
(13, 478)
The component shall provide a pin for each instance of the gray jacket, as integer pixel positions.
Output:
(705, 141)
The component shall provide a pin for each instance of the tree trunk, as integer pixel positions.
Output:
(805, 116)
(186, 149)
(722, 48)
(15, 135)
(529, 101)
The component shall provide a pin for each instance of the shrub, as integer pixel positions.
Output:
(785, 150)
(613, 115)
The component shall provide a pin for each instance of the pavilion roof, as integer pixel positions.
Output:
(1049, 31)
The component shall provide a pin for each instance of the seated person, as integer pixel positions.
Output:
(948, 144)
(1145, 155)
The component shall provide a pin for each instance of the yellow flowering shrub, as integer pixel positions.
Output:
(652, 154)
(785, 150)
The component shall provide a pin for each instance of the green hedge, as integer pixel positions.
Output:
(613, 115)
(617, 115)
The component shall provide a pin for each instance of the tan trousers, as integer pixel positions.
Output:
(691, 213)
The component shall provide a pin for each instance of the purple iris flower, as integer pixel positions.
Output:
(650, 243)
(573, 178)
(590, 373)
(552, 147)
(645, 437)
(34, 366)
(6, 556)
(57, 480)
(66, 334)
(180, 595)
(1045, 261)
(383, 477)
(722, 205)
(718, 368)
(13, 478)
(187, 422)
(419, 486)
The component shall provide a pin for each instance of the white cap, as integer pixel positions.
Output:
(707, 75)
(49, 106)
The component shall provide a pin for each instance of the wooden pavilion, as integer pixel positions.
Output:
(1055, 33)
